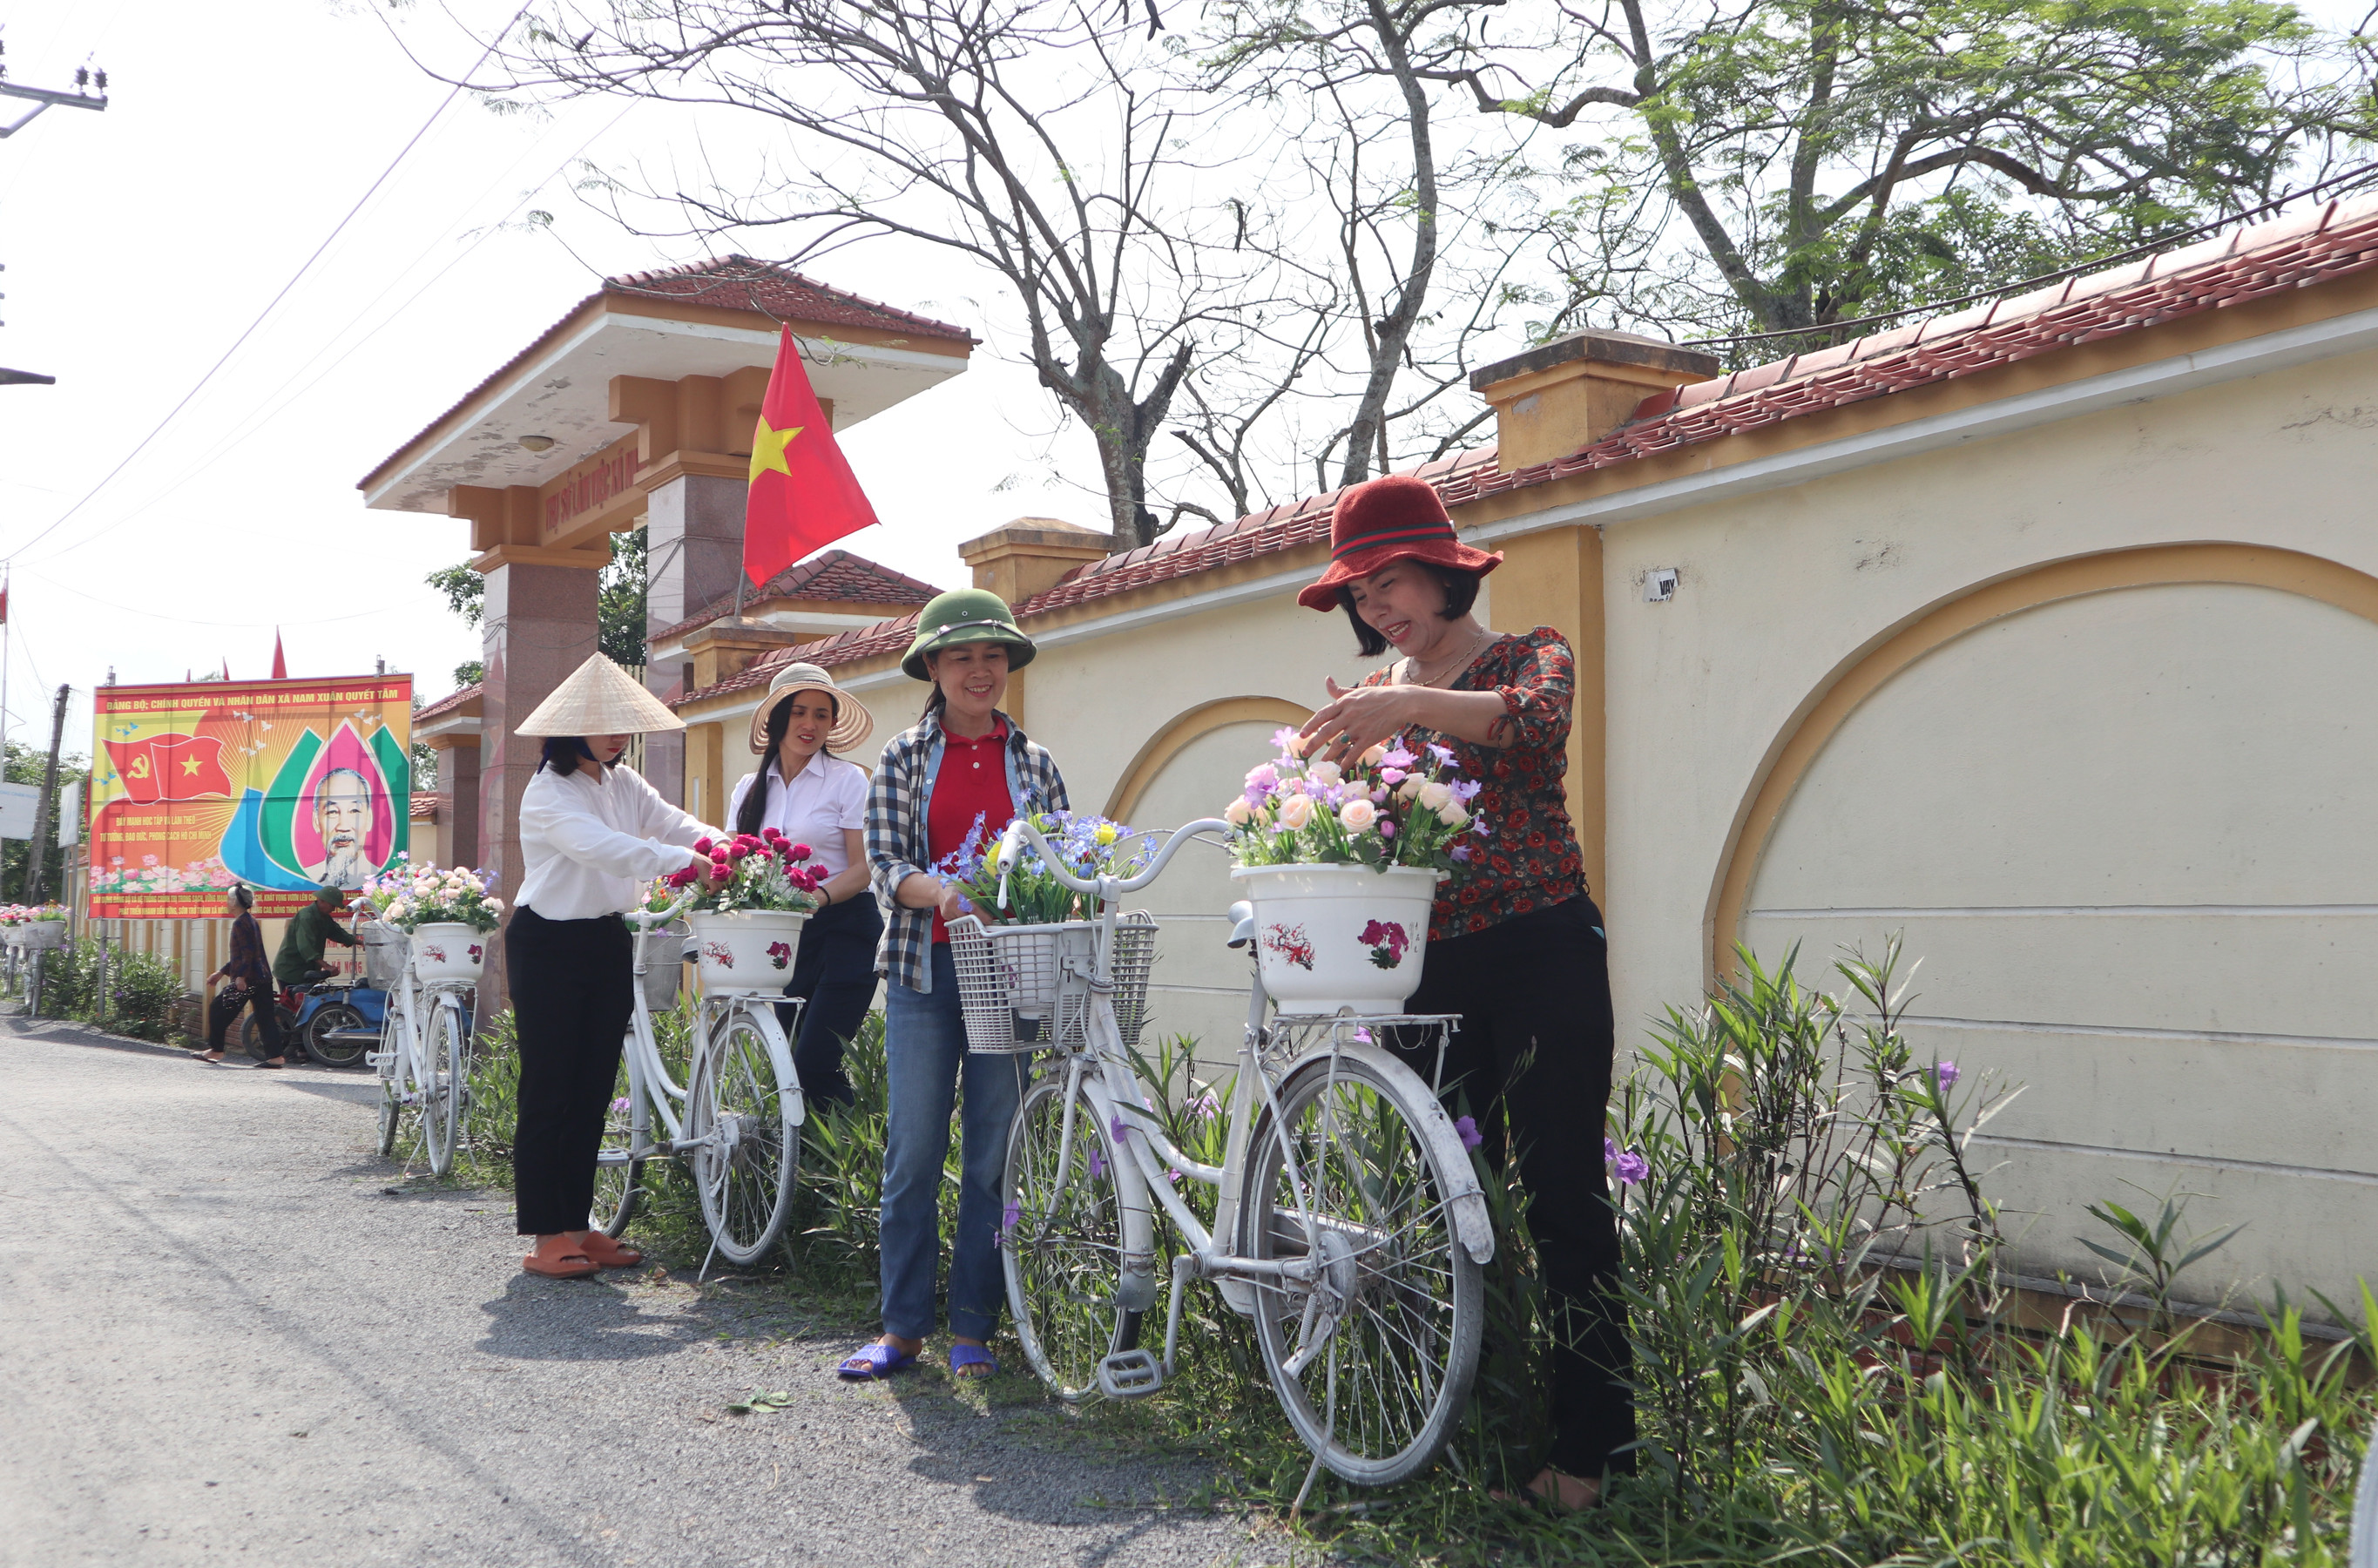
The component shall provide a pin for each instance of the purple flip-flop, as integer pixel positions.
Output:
(875, 1361)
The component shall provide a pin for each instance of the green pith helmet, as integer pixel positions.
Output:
(966, 615)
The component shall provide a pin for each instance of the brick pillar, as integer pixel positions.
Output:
(459, 770)
(539, 623)
(693, 549)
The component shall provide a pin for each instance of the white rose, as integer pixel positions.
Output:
(1325, 773)
(1433, 795)
(1358, 816)
(1237, 811)
(1295, 812)
(1453, 814)
(1411, 787)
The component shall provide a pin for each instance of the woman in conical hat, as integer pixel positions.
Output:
(593, 834)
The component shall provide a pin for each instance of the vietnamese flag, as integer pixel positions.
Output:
(803, 494)
(169, 768)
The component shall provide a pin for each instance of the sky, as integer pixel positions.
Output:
(141, 241)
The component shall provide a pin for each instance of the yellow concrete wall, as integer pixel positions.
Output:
(2201, 751)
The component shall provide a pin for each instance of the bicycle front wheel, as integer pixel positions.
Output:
(1373, 1360)
(391, 1080)
(442, 1088)
(739, 1112)
(619, 1170)
(1061, 1241)
(335, 1018)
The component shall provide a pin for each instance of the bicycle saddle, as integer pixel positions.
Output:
(1243, 924)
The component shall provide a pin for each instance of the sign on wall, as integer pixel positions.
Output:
(284, 785)
(19, 803)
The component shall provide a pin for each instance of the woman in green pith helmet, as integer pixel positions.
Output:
(964, 763)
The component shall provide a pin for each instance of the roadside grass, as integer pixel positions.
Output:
(1828, 1367)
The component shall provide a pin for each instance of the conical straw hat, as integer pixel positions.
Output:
(599, 698)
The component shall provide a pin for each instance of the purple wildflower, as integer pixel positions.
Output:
(1120, 1128)
(621, 1103)
(1286, 736)
(1468, 1127)
(1387, 827)
(1465, 789)
(1443, 754)
(1609, 1149)
(1399, 757)
(1362, 1033)
(1010, 1217)
(1630, 1167)
(1098, 1163)
(1947, 1073)
(1205, 1107)
(1172, 1174)
(1461, 853)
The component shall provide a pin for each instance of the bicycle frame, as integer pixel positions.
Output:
(1102, 1072)
(650, 1090)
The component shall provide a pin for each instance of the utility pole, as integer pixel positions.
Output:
(42, 808)
(42, 98)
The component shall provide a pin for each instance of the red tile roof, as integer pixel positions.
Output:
(727, 283)
(448, 704)
(739, 283)
(834, 574)
(2323, 242)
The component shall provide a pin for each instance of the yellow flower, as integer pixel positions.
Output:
(1106, 833)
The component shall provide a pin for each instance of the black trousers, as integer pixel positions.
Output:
(573, 988)
(1533, 1060)
(225, 1008)
(834, 972)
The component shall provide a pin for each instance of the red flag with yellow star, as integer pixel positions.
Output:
(803, 494)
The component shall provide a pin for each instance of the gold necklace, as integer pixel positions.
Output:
(1461, 662)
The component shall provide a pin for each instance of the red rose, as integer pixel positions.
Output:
(800, 853)
(702, 846)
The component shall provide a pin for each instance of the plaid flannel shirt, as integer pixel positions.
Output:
(897, 847)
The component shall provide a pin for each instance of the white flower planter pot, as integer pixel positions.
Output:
(1336, 936)
(38, 934)
(448, 952)
(748, 952)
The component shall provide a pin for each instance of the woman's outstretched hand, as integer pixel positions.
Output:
(1357, 718)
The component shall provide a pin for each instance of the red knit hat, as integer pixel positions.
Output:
(1383, 521)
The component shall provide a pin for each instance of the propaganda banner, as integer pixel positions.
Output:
(287, 786)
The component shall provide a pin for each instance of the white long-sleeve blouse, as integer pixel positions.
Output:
(594, 838)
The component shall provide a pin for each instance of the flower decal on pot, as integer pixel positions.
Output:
(433, 952)
(1291, 942)
(477, 952)
(779, 954)
(1386, 941)
(719, 953)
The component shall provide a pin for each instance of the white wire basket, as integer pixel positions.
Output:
(1010, 981)
(386, 950)
(664, 955)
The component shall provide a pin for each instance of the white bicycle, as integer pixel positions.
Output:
(424, 1066)
(736, 1121)
(1349, 1224)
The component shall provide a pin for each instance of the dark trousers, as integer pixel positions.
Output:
(834, 972)
(1533, 1060)
(226, 1007)
(572, 989)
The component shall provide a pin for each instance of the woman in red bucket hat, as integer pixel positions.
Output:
(1516, 945)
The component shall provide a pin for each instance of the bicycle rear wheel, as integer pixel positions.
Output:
(740, 1110)
(1061, 1241)
(443, 1087)
(1372, 1362)
(618, 1172)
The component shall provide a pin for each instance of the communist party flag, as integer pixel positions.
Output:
(803, 495)
(169, 768)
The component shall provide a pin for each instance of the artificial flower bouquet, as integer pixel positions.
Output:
(763, 871)
(409, 897)
(27, 914)
(1394, 807)
(1086, 846)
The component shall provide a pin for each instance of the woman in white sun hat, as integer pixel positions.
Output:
(807, 791)
(593, 834)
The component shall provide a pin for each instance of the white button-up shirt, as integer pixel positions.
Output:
(594, 838)
(825, 798)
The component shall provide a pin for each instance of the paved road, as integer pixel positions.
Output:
(221, 1336)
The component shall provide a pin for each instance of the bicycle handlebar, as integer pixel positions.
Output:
(649, 919)
(1021, 832)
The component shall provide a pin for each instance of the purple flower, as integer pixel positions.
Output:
(1609, 1149)
(1387, 827)
(1399, 757)
(621, 1103)
(1947, 1073)
(1335, 795)
(1205, 1107)
(1461, 853)
(1097, 1162)
(1120, 1130)
(1010, 1216)
(1468, 1127)
(1362, 1035)
(1392, 775)
(1443, 754)
(1172, 1175)
(1630, 1167)
(1465, 789)
(1284, 737)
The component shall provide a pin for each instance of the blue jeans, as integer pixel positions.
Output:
(924, 1045)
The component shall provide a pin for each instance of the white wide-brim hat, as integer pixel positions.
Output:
(852, 723)
(599, 698)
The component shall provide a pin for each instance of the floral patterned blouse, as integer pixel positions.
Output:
(1528, 859)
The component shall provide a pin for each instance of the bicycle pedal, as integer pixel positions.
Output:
(1127, 1374)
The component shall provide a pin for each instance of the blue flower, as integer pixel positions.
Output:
(1468, 1127)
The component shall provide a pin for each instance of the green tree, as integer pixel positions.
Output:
(1797, 163)
(618, 603)
(24, 765)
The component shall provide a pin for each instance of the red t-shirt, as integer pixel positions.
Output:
(972, 782)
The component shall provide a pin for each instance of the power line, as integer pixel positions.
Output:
(136, 449)
(224, 448)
